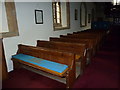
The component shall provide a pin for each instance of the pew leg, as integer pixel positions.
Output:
(94, 51)
(16, 65)
(70, 78)
(83, 65)
(89, 56)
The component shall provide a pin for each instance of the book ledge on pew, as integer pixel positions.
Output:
(57, 68)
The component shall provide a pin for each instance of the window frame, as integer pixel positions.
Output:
(11, 20)
(55, 19)
(60, 27)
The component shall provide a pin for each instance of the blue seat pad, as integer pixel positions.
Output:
(41, 62)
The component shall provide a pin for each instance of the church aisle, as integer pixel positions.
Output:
(103, 72)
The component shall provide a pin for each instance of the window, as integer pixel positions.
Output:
(116, 2)
(83, 14)
(11, 20)
(61, 15)
(57, 14)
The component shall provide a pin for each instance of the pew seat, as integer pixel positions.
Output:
(45, 65)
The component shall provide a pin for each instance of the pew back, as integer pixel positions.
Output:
(75, 48)
(90, 48)
(74, 40)
(90, 39)
(48, 54)
(97, 36)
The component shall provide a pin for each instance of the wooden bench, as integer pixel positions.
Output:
(93, 33)
(88, 43)
(78, 49)
(51, 61)
(82, 35)
(101, 34)
(88, 34)
(96, 37)
(91, 39)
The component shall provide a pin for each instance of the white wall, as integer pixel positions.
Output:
(29, 32)
(100, 11)
(3, 19)
(64, 14)
(89, 6)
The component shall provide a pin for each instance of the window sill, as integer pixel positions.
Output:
(60, 28)
(8, 34)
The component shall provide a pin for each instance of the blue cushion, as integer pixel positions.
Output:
(41, 62)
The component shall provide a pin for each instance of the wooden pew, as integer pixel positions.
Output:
(84, 35)
(34, 56)
(88, 34)
(94, 36)
(91, 39)
(78, 49)
(101, 34)
(88, 43)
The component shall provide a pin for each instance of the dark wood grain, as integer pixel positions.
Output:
(48, 54)
(3, 66)
(76, 48)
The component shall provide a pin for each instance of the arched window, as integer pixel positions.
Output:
(83, 14)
